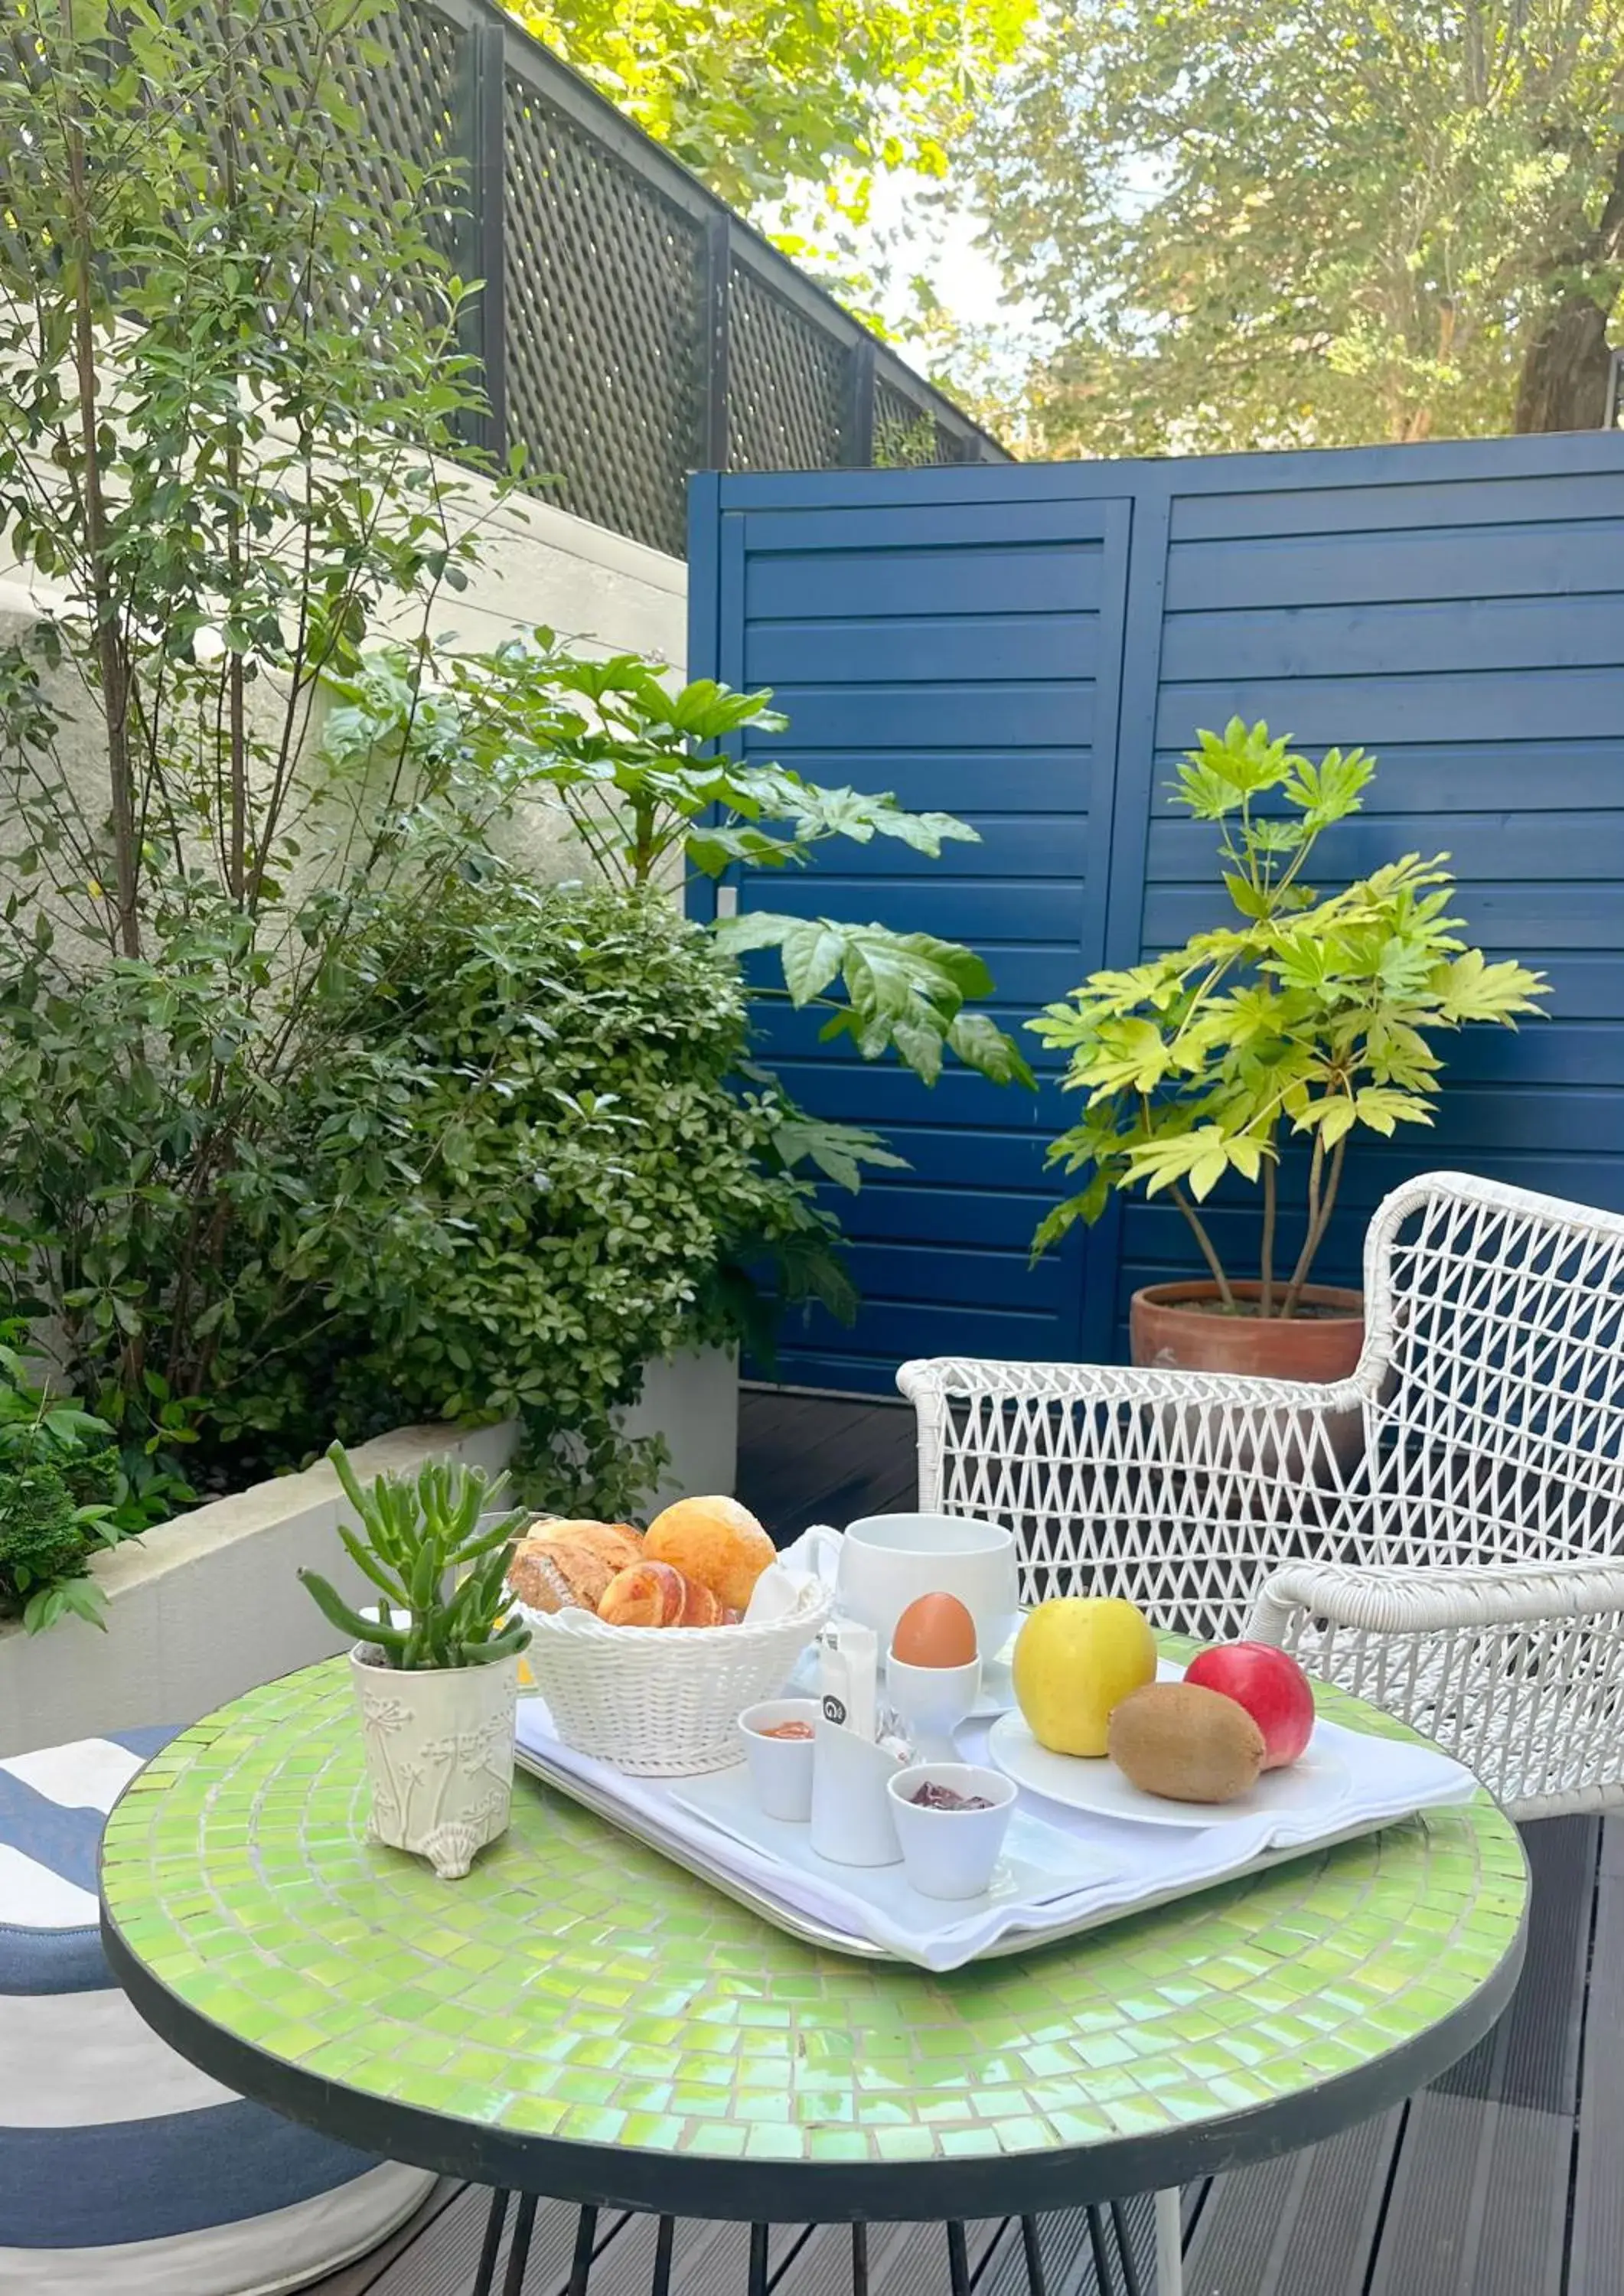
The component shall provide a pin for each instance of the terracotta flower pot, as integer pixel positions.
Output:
(1168, 1330)
(1174, 1327)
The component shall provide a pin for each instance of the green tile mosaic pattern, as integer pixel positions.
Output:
(578, 1986)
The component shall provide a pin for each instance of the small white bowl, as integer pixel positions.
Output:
(932, 1700)
(950, 1853)
(780, 1768)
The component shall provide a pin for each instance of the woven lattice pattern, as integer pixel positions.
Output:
(786, 384)
(577, 1985)
(603, 313)
(907, 436)
(1481, 1436)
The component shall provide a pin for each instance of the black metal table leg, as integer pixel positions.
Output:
(758, 2259)
(485, 2279)
(1035, 2281)
(860, 2259)
(1103, 2275)
(663, 2239)
(958, 2261)
(1131, 2284)
(519, 2255)
(580, 2268)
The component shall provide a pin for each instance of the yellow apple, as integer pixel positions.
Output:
(1076, 1659)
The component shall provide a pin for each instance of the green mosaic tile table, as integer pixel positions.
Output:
(582, 2019)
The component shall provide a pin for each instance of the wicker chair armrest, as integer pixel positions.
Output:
(1386, 1601)
(935, 1379)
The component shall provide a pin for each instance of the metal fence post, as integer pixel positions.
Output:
(858, 430)
(715, 333)
(485, 329)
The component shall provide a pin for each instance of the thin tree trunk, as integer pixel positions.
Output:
(115, 683)
(1320, 1220)
(1564, 384)
(1266, 1255)
(1215, 1265)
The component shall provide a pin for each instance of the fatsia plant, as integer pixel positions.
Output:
(1310, 1015)
(439, 1566)
(644, 774)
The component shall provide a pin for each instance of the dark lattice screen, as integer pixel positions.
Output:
(631, 330)
(786, 384)
(604, 309)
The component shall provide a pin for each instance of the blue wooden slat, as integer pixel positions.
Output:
(1409, 638)
(950, 649)
(1550, 558)
(981, 912)
(836, 583)
(1568, 847)
(1358, 507)
(864, 721)
(1489, 706)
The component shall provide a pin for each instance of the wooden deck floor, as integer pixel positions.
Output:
(1506, 2178)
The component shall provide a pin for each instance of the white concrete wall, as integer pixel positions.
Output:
(207, 1606)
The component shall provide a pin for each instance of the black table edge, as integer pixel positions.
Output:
(813, 2191)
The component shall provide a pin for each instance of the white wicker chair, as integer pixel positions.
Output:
(1462, 1566)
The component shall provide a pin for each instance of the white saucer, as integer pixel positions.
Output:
(1316, 1782)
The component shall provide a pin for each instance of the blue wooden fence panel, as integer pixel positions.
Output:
(1034, 646)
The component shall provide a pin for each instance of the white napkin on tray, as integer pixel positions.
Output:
(1388, 1779)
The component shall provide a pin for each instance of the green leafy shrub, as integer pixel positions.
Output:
(66, 1493)
(425, 1548)
(523, 1170)
(1309, 1016)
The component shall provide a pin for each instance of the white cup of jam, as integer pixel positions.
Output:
(779, 1737)
(951, 1818)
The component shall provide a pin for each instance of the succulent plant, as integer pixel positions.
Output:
(422, 1546)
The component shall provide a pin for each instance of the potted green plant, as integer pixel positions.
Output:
(436, 1673)
(1307, 1017)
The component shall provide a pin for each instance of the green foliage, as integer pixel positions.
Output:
(522, 1170)
(224, 479)
(66, 1493)
(424, 1547)
(1311, 1015)
(760, 99)
(1257, 224)
(639, 771)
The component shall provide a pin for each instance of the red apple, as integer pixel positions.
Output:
(1272, 1688)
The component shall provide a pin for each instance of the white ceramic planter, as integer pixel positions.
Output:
(439, 1756)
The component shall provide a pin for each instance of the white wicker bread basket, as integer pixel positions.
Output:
(662, 1701)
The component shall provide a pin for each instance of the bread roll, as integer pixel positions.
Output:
(657, 1594)
(564, 1566)
(717, 1543)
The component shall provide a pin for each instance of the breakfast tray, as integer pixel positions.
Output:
(1144, 1867)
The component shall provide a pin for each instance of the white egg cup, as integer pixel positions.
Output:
(931, 1702)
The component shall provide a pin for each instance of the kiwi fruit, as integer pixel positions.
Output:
(1183, 1743)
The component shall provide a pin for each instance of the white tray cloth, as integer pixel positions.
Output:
(1386, 1780)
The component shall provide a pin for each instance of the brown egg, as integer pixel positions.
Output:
(936, 1630)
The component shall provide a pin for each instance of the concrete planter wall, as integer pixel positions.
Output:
(209, 1605)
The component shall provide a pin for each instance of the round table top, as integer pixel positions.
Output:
(581, 2018)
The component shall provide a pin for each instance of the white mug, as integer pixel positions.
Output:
(885, 1561)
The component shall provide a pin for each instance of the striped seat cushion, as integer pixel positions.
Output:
(124, 2171)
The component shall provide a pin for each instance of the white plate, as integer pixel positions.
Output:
(1317, 1781)
(1039, 1863)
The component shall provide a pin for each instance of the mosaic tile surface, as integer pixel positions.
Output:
(578, 1986)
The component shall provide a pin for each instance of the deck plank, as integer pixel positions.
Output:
(1596, 2263)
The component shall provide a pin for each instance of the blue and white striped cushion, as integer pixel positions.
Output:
(124, 2171)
